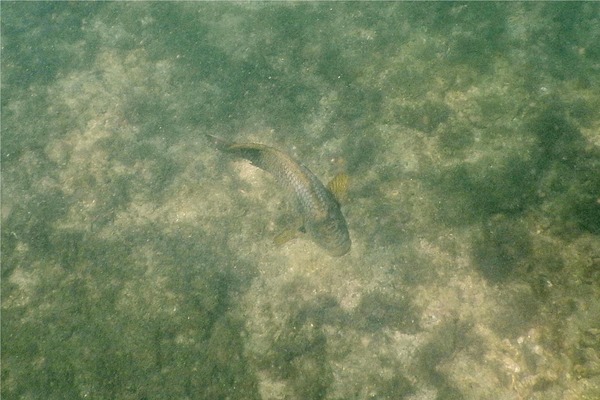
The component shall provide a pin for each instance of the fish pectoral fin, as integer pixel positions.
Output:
(285, 236)
(288, 235)
(338, 187)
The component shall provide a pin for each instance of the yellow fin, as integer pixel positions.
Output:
(285, 236)
(338, 187)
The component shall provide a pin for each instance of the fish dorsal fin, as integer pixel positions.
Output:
(338, 187)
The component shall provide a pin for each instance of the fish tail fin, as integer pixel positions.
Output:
(217, 142)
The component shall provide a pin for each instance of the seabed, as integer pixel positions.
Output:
(139, 263)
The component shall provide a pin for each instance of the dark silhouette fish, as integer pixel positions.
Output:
(320, 211)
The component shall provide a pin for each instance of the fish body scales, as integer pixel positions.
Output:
(320, 211)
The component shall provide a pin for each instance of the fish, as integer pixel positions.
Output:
(317, 205)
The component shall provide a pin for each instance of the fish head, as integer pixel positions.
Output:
(331, 233)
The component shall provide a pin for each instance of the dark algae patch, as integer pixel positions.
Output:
(500, 248)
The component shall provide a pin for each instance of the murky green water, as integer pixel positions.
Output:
(138, 263)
